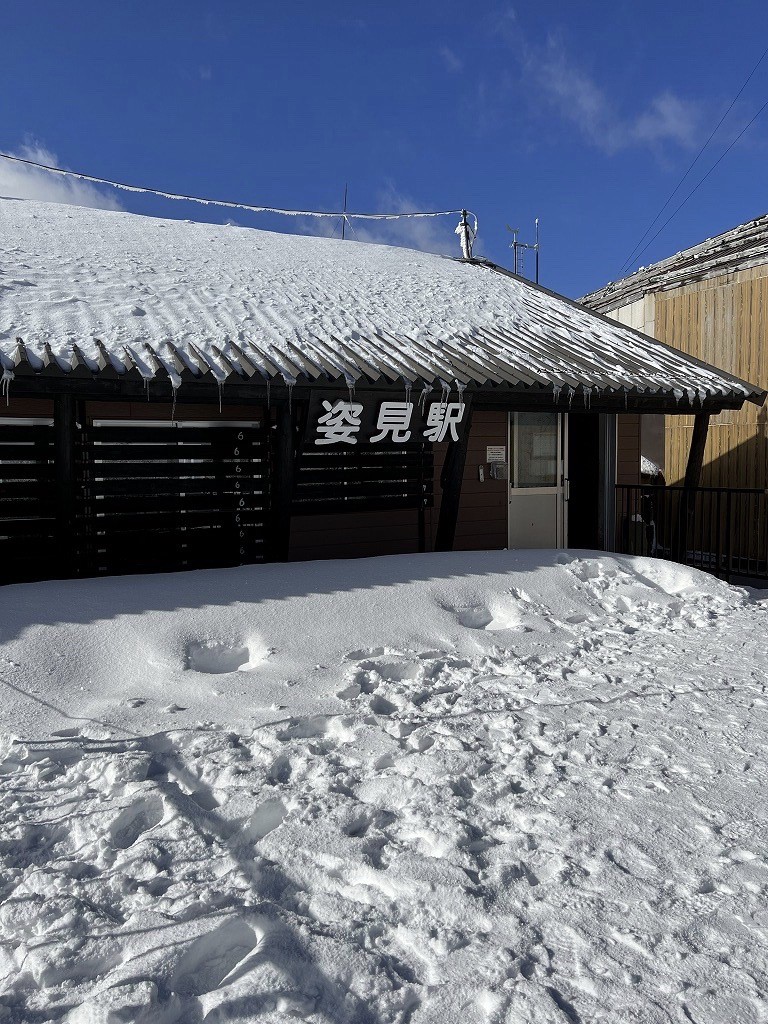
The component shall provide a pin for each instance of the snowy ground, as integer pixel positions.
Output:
(519, 787)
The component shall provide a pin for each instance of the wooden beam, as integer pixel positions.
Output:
(500, 399)
(64, 427)
(283, 478)
(450, 480)
(696, 453)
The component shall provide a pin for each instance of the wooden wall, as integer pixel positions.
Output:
(628, 448)
(482, 522)
(41, 408)
(162, 411)
(724, 321)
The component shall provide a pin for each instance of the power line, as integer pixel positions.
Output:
(225, 203)
(693, 163)
(702, 180)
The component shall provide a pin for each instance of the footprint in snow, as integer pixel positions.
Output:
(135, 820)
(220, 657)
(220, 957)
(172, 709)
(494, 618)
(265, 819)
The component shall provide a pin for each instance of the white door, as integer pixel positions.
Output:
(537, 480)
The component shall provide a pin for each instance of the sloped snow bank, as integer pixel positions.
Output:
(486, 787)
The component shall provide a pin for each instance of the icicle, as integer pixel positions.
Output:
(268, 393)
(350, 390)
(408, 388)
(556, 392)
(460, 388)
(571, 393)
(220, 386)
(423, 398)
(445, 395)
(5, 384)
(290, 394)
(174, 389)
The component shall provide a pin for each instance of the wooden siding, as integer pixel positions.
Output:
(21, 406)
(723, 320)
(482, 522)
(483, 510)
(628, 448)
(162, 411)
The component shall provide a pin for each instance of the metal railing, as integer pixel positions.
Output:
(722, 530)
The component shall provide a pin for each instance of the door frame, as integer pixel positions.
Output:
(561, 490)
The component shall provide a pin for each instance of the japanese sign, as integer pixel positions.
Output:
(383, 419)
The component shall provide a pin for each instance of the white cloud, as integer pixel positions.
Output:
(452, 61)
(550, 76)
(668, 117)
(578, 98)
(20, 181)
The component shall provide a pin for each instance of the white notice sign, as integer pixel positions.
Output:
(496, 453)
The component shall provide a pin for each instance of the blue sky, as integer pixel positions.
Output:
(585, 115)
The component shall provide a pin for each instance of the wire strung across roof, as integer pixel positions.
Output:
(229, 205)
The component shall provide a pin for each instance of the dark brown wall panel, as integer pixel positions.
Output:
(42, 407)
(628, 448)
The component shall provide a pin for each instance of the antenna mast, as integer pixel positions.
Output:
(518, 249)
(344, 214)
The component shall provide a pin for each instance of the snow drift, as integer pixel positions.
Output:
(507, 786)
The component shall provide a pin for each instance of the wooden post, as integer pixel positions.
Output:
(283, 475)
(65, 469)
(606, 509)
(696, 453)
(691, 482)
(450, 481)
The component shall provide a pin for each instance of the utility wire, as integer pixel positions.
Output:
(230, 205)
(702, 180)
(673, 193)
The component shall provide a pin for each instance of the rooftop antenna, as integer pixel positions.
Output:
(518, 248)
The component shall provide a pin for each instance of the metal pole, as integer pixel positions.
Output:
(344, 213)
(537, 250)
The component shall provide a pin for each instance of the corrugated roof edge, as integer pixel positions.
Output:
(756, 394)
(739, 248)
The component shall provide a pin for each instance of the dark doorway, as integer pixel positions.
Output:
(584, 477)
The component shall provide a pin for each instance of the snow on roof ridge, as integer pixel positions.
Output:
(299, 306)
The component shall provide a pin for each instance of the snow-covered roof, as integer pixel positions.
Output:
(740, 248)
(97, 291)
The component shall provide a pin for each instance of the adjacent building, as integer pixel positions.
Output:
(710, 302)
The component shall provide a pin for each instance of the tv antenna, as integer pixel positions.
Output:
(344, 213)
(518, 248)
